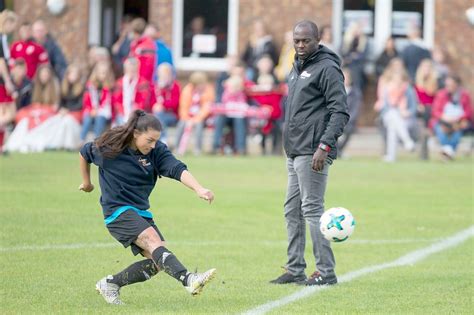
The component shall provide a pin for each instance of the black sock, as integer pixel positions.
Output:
(137, 272)
(170, 264)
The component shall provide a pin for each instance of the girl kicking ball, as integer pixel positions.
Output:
(130, 159)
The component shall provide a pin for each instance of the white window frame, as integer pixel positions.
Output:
(203, 64)
(383, 22)
(95, 21)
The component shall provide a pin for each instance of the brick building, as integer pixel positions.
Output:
(84, 22)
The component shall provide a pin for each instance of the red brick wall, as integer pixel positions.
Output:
(455, 34)
(161, 13)
(279, 16)
(70, 29)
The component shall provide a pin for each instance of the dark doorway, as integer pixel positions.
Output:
(112, 13)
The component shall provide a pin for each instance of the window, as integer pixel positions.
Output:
(405, 15)
(384, 18)
(105, 17)
(204, 32)
(361, 11)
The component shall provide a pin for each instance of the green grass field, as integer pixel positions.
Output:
(405, 206)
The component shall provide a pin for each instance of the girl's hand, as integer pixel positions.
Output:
(86, 187)
(206, 194)
(10, 87)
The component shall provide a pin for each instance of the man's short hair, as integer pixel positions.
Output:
(311, 25)
(138, 25)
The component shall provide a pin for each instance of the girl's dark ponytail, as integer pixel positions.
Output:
(112, 142)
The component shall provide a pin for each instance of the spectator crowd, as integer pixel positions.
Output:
(47, 103)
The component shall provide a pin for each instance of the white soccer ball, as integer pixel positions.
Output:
(337, 224)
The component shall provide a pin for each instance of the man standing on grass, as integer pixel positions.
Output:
(316, 113)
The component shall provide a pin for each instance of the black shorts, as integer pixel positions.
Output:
(128, 226)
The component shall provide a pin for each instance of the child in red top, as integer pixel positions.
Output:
(132, 92)
(143, 48)
(33, 53)
(426, 85)
(97, 103)
(167, 98)
(267, 92)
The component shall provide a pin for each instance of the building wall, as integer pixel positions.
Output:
(454, 34)
(279, 16)
(70, 29)
(161, 13)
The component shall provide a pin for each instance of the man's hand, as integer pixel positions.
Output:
(319, 157)
(86, 187)
(205, 194)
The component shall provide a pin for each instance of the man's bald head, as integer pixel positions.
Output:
(305, 39)
(308, 24)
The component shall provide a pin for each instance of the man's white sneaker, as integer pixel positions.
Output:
(197, 281)
(109, 291)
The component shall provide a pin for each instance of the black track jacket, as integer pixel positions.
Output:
(316, 107)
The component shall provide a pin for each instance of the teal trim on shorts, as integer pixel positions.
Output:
(143, 213)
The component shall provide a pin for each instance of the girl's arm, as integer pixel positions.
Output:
(188, 180)
(86, 175)
(5, 76)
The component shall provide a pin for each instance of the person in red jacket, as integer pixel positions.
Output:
(167, 98)
(97, 100)
(132, 92)
(269, 92)
(143, 48)
(451, 115)
(26, 48)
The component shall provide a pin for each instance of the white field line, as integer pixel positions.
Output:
(408, 259)
(193, 243)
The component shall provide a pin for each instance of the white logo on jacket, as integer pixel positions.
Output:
(305, 75)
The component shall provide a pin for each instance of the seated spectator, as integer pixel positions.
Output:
(97, 101)
(23, 85)
(451, 115)
(8, 20)
(354, 101)
(393, 105)
(426, 86)
(167, 99)
(62, 131)
(96, 54)
(143, 48)
(132, 92)
(267, 92)
(30, 51)
(259, 44)
(287, 57)
(55, 54)
(233, 95)
(32, 131)
(195, 104)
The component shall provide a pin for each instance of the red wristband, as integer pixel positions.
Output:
(324, 147)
